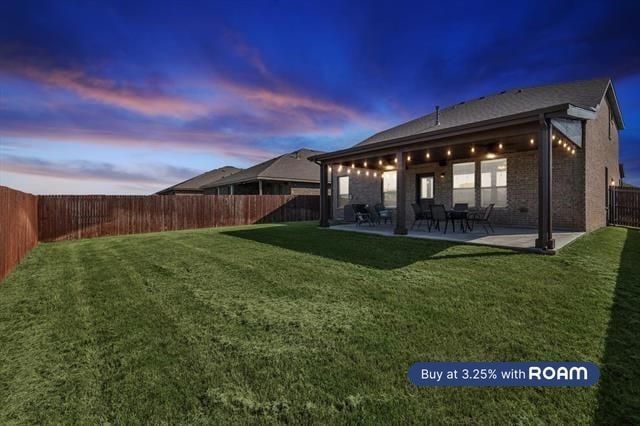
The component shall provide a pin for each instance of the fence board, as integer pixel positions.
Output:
(624, 206)
(18, 227)
(68, 217)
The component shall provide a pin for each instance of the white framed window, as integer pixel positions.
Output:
(425, 187)
(389, 189)
(493, 182)
(343, 191)
(464, 183)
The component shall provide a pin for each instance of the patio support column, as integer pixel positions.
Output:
(231, 189)
(401, 214)
(324, 202)
(545, 239)
(260, 187)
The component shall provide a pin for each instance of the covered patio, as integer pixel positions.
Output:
(540, 151)
(521, 239)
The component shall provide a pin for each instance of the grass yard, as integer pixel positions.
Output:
(299, 324)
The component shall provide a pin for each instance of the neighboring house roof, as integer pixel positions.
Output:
(196, 183)
(293, 167)
(583, 96)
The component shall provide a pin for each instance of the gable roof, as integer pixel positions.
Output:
(587, 94)
(206, 178)
(293, 166)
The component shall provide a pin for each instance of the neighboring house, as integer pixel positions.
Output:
(290, 173)
(544, 156)
(193, 186)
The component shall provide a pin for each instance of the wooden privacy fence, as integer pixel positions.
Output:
(18, 227)
(65, 217)
(624, 206)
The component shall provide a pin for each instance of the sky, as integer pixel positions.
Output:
(134, 96)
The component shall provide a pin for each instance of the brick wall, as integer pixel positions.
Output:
(363, 189)
(522, 189)
(600, 152)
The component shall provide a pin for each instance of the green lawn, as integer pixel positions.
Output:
(299, 324)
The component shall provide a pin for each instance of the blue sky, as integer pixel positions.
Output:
(130, 97)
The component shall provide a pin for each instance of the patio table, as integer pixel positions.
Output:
(462, 216)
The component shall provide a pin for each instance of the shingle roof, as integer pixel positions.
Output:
(293, 166)
(206, 178)
(584, 94)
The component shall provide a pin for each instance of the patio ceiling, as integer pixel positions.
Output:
(455, 150)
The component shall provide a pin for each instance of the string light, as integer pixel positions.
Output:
(449, 152)
(375, 174)
(395, 160)
(365, 164)
(428, 155)
(380, 162)
(408, 158)
(531, 141)
(473, 150)
(500, 146)
(340, 168)
(573, 151)
(329, 168)
(353, 165)
(553, 137)
(348, 171)
(358, 171)
(367, 173)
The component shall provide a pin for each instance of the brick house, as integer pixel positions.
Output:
(194, 185)
(288, 174)
(544, 156)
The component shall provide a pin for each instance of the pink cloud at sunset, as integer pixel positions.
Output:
(111, 93)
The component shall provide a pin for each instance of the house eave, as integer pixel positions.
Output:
(257, 178)
(564, 110)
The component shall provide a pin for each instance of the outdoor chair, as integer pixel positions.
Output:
(461, 212)
(419, 215)
(382, 213)
(438, 214)
(461, 207)
(426, 204)
(361, 214)
(483, 218)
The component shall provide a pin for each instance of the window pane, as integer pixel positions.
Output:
(497, 196)
(389, 189)
(464, 175)
(464, 183)
(465, 196)
(494, 182)
(426, 187)
(485, 179)
(343, 191)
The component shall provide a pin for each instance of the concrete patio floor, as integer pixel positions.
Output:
(522, 239)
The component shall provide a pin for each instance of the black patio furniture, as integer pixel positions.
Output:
(460, 207)
(383, 213)
(438, 214)
(461, 213)
(482, 217)
(362, 214)
(419, 215)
